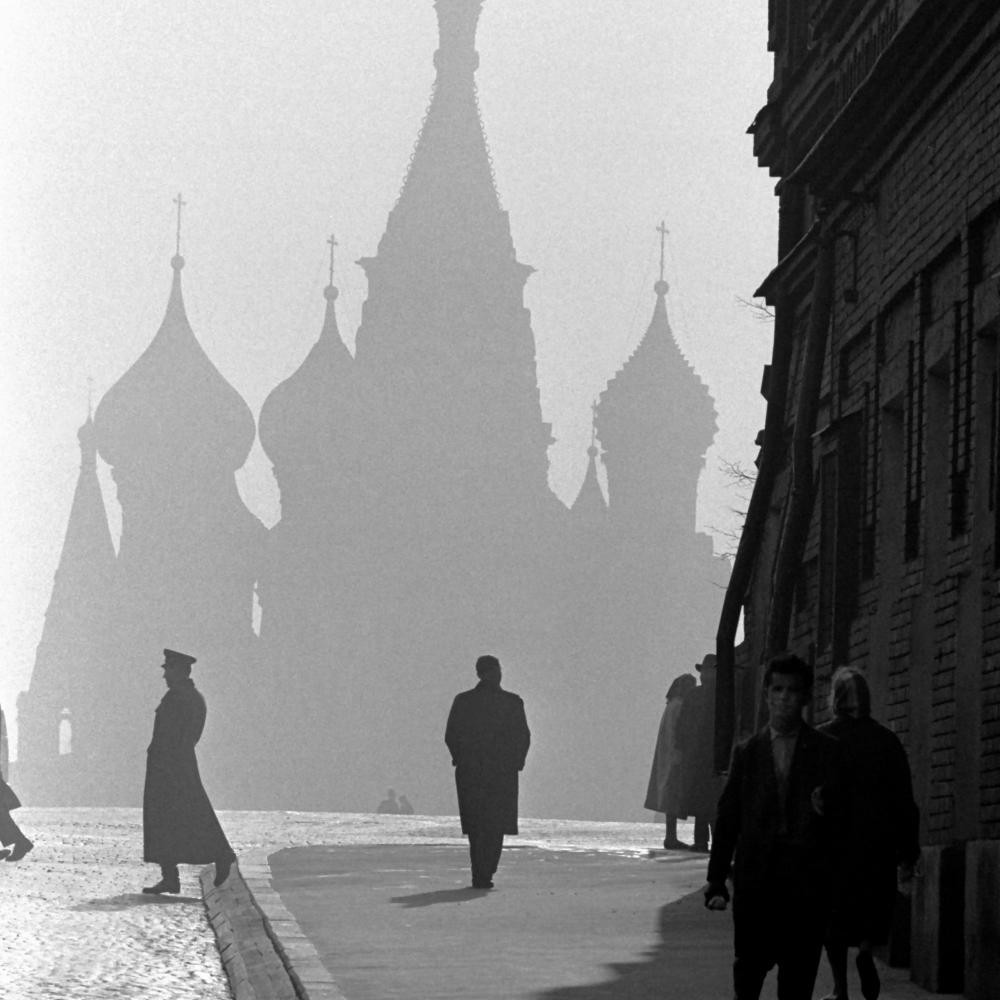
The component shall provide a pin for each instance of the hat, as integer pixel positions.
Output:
(172, 656)
(707, 664)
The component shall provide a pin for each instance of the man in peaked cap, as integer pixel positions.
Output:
(179, 825)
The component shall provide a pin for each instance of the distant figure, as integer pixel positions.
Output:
(780, 815)
(405, 808)
(882, 837)
(666, 776)
(389, 803)
(488, 736)
(179, 825)
(700, 787)
(10, 832)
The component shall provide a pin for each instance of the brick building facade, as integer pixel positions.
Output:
(873, 536)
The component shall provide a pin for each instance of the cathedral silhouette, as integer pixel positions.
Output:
(417, 531)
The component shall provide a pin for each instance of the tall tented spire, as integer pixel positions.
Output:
(70, 667)
(449, 203)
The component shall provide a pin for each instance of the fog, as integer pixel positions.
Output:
(336, 493)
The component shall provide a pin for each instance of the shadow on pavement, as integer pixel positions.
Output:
(692, 960)
(440, 896)
(127, 900)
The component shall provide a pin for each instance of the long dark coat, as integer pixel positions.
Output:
(179, 825)
(883, 828)
(700, 787)
(751, 824)
(488, 736)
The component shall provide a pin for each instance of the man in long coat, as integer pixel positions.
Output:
(179, 825)
(488, 736)
(781, 814)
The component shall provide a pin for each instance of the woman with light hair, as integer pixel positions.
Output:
(666, 776)
(881, 846)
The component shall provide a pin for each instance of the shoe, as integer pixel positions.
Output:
(702, 848)
(20, 849)
(172, 886)
(674, 844)
(222, 869)
(481, 885)
(3, 854)
(871, 985)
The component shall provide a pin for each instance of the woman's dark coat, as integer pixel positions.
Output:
(487, 734)
(883, 828)
(179, 825)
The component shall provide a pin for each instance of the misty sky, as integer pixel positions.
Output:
(282, 123)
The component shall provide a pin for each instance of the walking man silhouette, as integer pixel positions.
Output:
(488, 736)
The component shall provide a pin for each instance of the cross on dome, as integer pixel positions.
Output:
(661, 286)
(178, 260)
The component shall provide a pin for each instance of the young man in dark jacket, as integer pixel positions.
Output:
(781, 815)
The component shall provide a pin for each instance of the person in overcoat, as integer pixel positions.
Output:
(882, 844)
(488, 737)
(666, 775)
(10, 833)
(781, 814)
(700, 787)
(179, 825)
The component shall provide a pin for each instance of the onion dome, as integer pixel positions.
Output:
(307, 412)
(657, 409)
(658, 373)
(173, 407)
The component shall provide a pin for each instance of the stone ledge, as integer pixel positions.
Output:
(264, 951)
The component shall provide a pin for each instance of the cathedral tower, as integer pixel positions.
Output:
(59, 718)
(414, 477)
(174, 432)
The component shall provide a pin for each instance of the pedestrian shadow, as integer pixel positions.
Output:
(691, 960)
(128, 900)
(439, 896)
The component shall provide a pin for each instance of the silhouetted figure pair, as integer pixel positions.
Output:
(666, 776)
(10, 833)
(392, 806)
(781, 814)
(178, 823)
(389, 805)
(882, 844)
(487, 734)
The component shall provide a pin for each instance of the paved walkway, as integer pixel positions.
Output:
(387, 922)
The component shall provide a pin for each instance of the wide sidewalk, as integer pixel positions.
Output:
(362, 922)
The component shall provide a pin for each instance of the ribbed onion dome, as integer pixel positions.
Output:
(657, 382)
(172, 407)
(312, 405)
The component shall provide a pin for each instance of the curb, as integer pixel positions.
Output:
(263, 949)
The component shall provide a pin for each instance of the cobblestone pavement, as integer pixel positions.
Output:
(75, 924)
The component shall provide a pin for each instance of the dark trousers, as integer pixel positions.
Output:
(10, 832)
(778, 926)
(485, 845)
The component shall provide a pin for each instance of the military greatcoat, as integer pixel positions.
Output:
(178, 823)
(487, 734)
